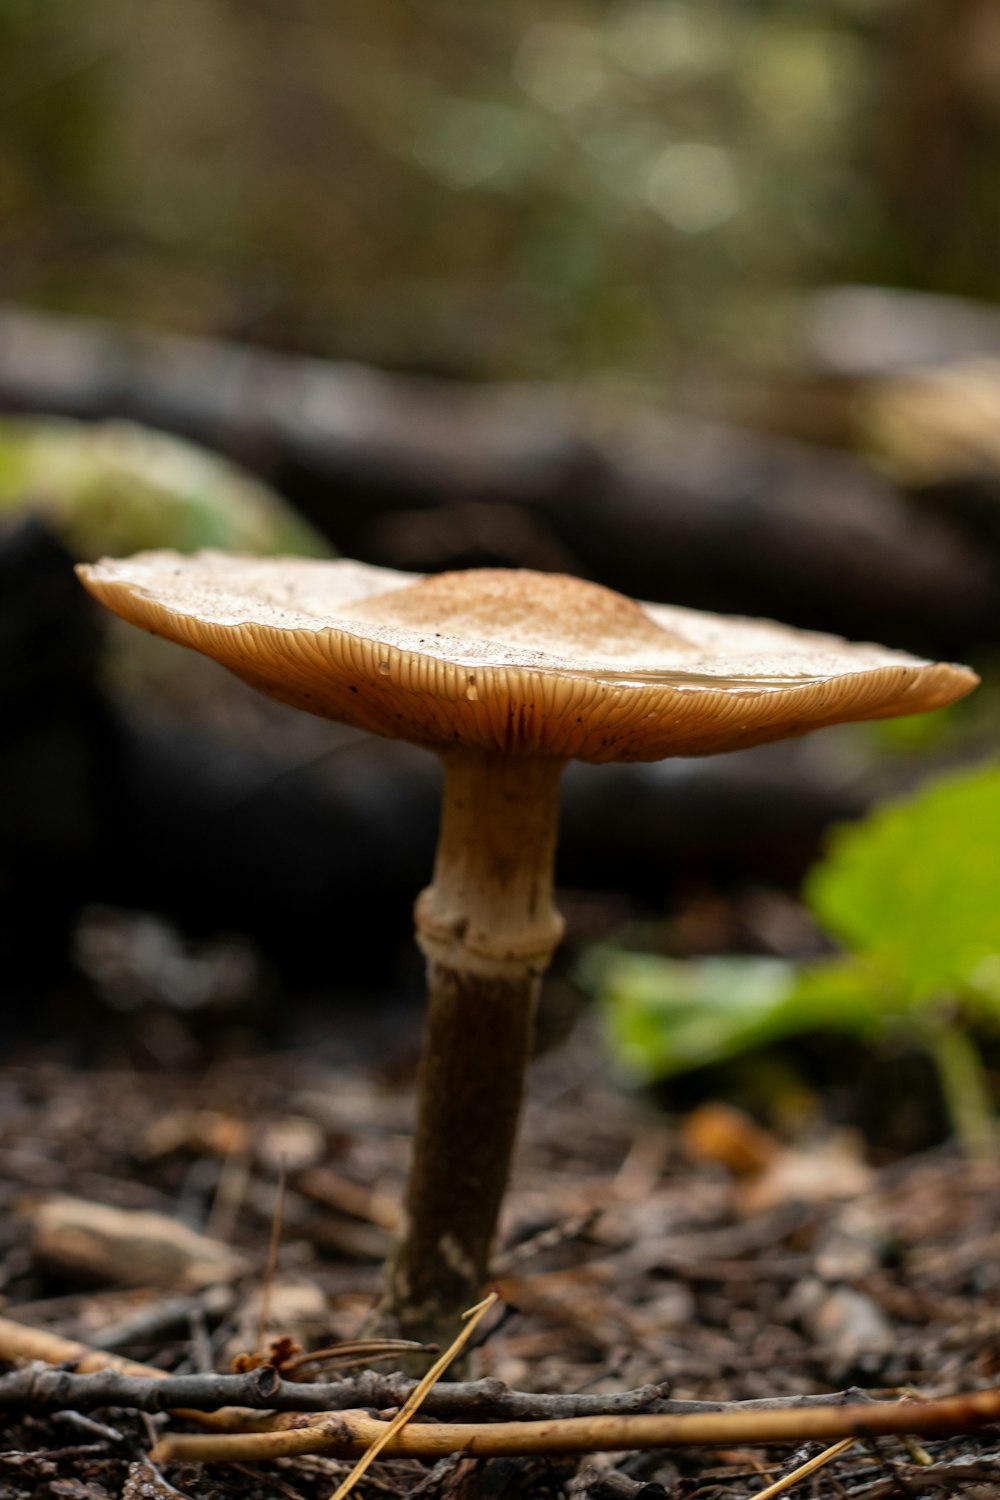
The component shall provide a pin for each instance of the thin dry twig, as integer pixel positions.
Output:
(354, 1352)
(115, 1381)
(18, 1341)
(350, 1433)
(221, 1402)
(949, 1475)
(572, 1228)
(38, 1387)
(277, 1222)
(149, 1323)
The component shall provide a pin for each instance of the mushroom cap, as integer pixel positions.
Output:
(510, 660)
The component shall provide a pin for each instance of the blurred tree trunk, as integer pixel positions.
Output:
(941, 137)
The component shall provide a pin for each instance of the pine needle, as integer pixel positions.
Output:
(804, 1470)
(272, 1259)
(413, 1402)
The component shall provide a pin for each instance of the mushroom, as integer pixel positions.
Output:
(507, 675)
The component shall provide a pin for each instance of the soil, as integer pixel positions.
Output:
(635, 1248)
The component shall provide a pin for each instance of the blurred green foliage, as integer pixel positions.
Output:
(533, 188)
(112, 488)
(666, 1016)
(913, 895)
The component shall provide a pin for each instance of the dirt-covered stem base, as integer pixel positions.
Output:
(488, 928)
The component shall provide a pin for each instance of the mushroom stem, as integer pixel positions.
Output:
(487, 927)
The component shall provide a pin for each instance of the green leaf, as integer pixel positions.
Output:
(664, 1016)
(915, 890)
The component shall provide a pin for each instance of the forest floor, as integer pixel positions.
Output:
(704, 1255)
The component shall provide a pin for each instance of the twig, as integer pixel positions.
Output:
(125, 1382)
(598, 1423)
(329, 1187)
(151, 1322)
(272, 1259)
(112, 1380)
(546, 1239)
(88, 1426)
(349, 1433)
(46, 1459)
(355, 1352)
(947, 1475)
(40, 1388)
(18, 1341)
(35, 1388)
(490, 1398)
(230, 1192)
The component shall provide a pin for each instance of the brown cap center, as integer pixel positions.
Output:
(567, 615)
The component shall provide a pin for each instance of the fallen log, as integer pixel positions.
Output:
(423, 474)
